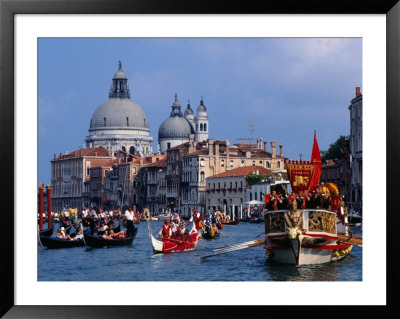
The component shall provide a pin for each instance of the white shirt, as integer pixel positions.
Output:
(85, 213)
(128, 215)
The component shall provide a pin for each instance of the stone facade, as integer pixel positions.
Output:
(227, 191)
(339, 173)
(198, 160)
(69, 172)
(356, 151)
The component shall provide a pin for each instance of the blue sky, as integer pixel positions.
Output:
(289, 86)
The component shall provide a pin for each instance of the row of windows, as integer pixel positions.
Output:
(231, 185)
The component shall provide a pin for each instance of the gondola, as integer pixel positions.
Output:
(99, 242)
(54, 242)
(46, 232)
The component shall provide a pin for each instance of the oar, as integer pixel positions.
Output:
(228, 249)
(260, 234)
(224, 233)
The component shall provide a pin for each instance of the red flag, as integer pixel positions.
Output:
(316, 159)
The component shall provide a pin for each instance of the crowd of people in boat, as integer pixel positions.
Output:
(321, 197)
(174, 229)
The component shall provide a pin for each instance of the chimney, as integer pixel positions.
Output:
(265, 146)
(273, 146)
(280, 150)
(358, 91)
(210, 147)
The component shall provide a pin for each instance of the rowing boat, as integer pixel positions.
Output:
(172, 245)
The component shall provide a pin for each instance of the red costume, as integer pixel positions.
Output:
(165, 231)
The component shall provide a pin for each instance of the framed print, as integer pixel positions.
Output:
(43, 41)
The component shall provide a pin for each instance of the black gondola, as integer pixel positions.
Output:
(99, 242)
(46, 232)
(54, 242)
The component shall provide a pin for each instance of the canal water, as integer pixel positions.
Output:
(138, 263)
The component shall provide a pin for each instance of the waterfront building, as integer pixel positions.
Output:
(120, 123)
(96, 196)
(198, 160)
(227, 191)
(156, 185)
(339, 173)
(175, 130)
(356, 150)
(69, 172)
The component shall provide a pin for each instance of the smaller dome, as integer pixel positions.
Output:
(175, 127)
(119, 74)
(201, 107)
(188, 110)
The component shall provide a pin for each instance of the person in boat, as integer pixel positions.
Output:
(130, 219)
(165, 231)
(326, 199)
(118, 235)
(174, 227)
(66, 225)
(182, 226)
(186, 238)
(61, 233)
(307, 200)
(78, 236)
(106, 235)
(214, 227)
(196, 218)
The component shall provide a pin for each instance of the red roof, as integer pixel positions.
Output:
(243, 171)
(94, 151)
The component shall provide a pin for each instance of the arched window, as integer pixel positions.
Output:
(253, 163)
(202, 175)
(201, 126)
(127, 121)
(105, 121)
(132, 150)
(267, 164)
(279, 164)
(205, 127)
(124, 148)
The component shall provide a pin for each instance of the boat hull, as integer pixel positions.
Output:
(56, 243)
(313, 241)
(98, 242)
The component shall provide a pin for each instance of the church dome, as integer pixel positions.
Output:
(119, 113)
(201, 109)
(176, 126)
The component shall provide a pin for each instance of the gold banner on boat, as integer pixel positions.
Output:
(322, 222)
(300, 174)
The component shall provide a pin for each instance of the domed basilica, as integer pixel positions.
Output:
(177, 127)
(119, 123)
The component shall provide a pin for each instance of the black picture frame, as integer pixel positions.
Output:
(8, 10)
